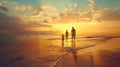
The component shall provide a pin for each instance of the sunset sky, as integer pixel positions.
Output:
(55, 16)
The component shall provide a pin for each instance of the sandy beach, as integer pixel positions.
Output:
(97, 51)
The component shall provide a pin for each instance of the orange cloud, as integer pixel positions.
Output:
(110, 16)
(15, 25)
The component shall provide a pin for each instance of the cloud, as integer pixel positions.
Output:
(110, 16)
(45, 13)
(48, 7)
(3, 8)
(73, 13)
(37, 24)
(92, 1)
(0, 3)
(49, 13)
(37, 33)
(15, 5)
(17, 25)
(99, 13)
(20, 7)
(92, 7)
(43, 9)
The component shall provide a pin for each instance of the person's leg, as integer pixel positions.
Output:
(66, 38)
(72, 38)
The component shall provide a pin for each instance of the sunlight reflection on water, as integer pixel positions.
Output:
(44, 52)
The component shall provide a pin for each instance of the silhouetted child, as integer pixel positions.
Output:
(62, 37)
(66, 34)
(62, 40)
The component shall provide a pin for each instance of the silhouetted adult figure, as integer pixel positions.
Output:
(73, 33)
(66, 35)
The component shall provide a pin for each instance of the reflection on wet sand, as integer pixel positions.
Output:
(84, 52)
(62, 44)
(74, 52)
(107, 58)
(75, 55)
(89, 59)
(74, 59)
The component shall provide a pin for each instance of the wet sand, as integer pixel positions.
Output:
(31, 51)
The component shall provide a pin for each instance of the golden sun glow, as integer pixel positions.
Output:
(65, 26)
(81, 28)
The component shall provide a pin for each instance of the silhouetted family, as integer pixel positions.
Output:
(66, 35)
